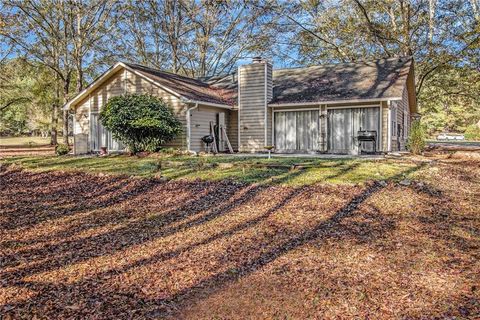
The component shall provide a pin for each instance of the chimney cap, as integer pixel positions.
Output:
(257, 59)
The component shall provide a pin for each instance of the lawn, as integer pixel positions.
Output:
(278, 170)
(23, 141)
(146, 238)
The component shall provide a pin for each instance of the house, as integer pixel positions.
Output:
(312, 109)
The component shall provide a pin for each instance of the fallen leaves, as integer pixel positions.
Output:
(91, 246)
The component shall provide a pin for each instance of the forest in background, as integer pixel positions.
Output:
(50, 50)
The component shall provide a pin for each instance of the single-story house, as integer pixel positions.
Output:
(312, 109)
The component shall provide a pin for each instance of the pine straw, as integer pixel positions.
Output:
(75, 245)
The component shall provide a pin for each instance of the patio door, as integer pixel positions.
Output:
(296, 131)
(343, 127)
(101, 137)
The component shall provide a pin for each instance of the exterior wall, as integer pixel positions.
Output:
(323, 121)
(137, 84)
(200, 119)
(119, 83)
(323, 129)
(81, 128)
(385, 126)
(232, 128)
(399, 142)
(254, 91)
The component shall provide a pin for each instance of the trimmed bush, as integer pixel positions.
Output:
(141, 122)
(416, 139)
(62, 149)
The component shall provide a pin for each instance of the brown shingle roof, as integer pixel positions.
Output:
(378, 79)
(189, 88)
(384, 78)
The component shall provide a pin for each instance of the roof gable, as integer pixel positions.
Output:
(381, 79)
(189, 88)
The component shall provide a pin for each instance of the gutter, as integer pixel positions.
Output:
(296, 104)
(389, 126)
(209, 104)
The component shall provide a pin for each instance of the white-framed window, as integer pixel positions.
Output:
(393, 118)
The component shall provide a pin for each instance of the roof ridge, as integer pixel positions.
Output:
(162, 71)
(345, 63)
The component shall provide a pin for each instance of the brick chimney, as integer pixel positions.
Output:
(255, 90)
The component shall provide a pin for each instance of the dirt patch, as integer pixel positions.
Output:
(89, 246)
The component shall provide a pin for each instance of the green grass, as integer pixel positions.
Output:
(23, 141)
(245, 169)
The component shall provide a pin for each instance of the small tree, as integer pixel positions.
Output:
(416, 139)
(141, 122)
(472, 132)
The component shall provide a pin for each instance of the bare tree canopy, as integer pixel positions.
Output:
(77, 40)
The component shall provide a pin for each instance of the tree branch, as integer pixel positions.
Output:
(14, 101)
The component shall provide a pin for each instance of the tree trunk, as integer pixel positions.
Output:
(53, 130)
(55, 107)
(65, 112)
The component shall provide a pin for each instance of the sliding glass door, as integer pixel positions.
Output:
(296, 131)
(101, 137)
(343, 127)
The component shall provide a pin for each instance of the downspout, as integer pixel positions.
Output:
(265, 97)
(239, 145)
(189, 128)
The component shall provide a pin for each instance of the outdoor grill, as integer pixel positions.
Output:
(367, 136)
(208, 140)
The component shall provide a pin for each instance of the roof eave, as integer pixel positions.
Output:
(210, 104)
(97, 82)
(338, 101)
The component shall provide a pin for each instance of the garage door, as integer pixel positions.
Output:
(343, 127)
(296, 131)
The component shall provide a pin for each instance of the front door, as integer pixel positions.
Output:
(296, 131)
(343, 127)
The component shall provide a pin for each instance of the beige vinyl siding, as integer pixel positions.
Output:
(138, 84)
(200, 119)
(121, 82)
(81, 117)
(252, 104)
(269, 127)
(323, 128)
(232, 128)
(81, 128)
(385, 125)
(403, 111)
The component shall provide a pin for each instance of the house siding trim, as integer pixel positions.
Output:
(331, 102)
(323, 121)
(189, 126)
(266, 104)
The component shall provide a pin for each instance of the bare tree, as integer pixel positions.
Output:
(39, 33)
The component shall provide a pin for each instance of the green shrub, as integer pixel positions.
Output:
(472, 132)
(62, 149)
(416, 139)
(141, 122)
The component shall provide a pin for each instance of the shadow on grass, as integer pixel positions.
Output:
(208, 201)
